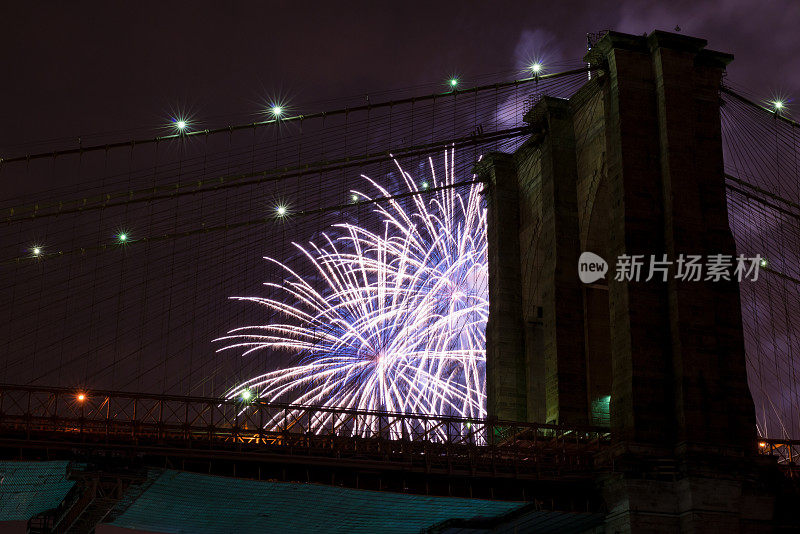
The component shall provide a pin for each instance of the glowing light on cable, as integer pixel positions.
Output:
(36, 251)
(354, 197)
(181, 124)
(778, 104)
(453, 82)
(122, 237)
(276, 111)
(246, 395)
(392, 320)
(81, 397)
(281, 210)
(536, 67)
(764, 262)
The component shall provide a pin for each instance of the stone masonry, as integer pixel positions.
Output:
(631, 164)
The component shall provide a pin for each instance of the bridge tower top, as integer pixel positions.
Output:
(630, 166)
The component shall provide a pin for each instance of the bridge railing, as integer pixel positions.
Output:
(786, 451)
(69, 417)
(37, 413)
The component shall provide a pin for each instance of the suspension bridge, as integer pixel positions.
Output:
(120, 258)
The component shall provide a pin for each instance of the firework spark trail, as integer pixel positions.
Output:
(392, 321)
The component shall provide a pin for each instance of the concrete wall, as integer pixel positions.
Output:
(631, 164)
(593, 195)
(506, 383)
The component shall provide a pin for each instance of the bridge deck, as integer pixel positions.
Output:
(58, 422)
(265, 440)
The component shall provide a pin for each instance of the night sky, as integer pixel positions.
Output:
(81, 68)
(111, 72)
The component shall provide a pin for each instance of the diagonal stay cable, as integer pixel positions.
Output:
(342, 111)
(123, 198)
(239, 224)
(758, 106)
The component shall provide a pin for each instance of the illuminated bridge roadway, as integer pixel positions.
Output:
(400, 452)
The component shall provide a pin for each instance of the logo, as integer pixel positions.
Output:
(591, 267)
(687, 268)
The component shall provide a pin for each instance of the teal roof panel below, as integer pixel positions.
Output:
(181, 502)
(30, 488)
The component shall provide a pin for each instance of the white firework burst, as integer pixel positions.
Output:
(391, 321)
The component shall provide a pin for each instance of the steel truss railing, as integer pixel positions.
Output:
(787, 451)
(213, 425)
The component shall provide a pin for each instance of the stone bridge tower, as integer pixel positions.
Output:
(631, 164)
